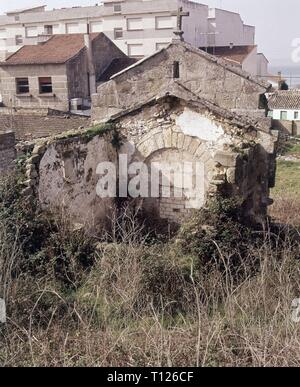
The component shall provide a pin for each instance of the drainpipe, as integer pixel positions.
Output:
(91, 66)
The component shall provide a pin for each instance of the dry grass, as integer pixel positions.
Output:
(144, 305)
(140, 303)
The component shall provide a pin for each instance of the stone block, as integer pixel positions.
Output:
(231, 175)
(226, 159)
(167, 134)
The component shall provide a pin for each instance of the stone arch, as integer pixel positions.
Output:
(159, 139)
(160, 143)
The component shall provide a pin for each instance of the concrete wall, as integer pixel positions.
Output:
(7, 151)
(199, 72)
(262, 66)
(250, 63)
(229, 28)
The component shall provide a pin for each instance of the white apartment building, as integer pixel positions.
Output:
(137, 27)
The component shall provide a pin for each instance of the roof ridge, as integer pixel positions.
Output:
(223, 63)
(207, 56)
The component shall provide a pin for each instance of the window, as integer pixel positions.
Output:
(31, 32)
(19, 40)
(117, 8)
(160, 46)
(2, 33)
(45, 84)
(296, 115)
(135, 24)
(164, 22)
(135, 50)
(283, 115)
(118, 33)
(72, 28)
(270, 113)
(96, 26)
(48, 30)
(176, 70)
(17, 18)
(22, 85)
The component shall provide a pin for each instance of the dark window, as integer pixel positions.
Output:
(17, 18)
(45, 85)
(49, 30)
(117, 8)
(296, 115)
(22, 85)
(176, 70)
(19, 40)
(118, 33)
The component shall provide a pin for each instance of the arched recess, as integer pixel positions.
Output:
(170, 146)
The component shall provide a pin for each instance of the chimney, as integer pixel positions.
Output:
(92, 73)
(279, 79)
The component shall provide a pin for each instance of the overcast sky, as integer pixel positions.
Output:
(277, 22)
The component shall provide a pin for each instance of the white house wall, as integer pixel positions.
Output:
(196, 27)
(250, 63)
(227, 27)
(290, 114)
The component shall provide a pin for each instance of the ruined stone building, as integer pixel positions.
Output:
(178, 106)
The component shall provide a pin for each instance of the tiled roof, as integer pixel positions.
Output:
(117, 65)
(58, 49)
(289, 99)
(236, 54)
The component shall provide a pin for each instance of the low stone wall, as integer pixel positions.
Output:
(7, 151)
(32, 125)
(61, 172)
(287, 127)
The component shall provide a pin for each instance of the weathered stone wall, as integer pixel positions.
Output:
(62, 173)
(201, 73)
(29, 125)
(34, 100)
(289, 127)
(235, 160)
(7, 151)
(239, 163)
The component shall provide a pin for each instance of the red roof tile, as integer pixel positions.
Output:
(235, 54)
(58, 49)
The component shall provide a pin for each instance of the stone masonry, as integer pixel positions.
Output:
(237, 153)
(7, 151)
(202, 74)
(29, 124)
